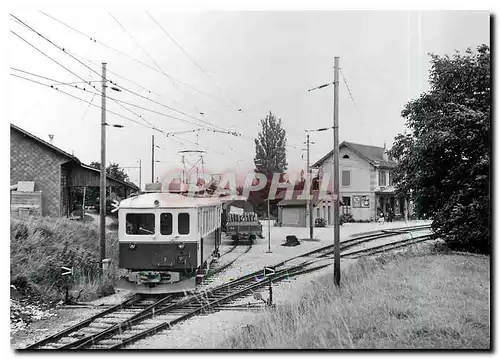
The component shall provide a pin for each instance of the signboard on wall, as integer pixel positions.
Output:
(360, 202)
(236, 210)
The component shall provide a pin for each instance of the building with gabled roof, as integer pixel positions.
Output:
(366, 187)
(55, 174)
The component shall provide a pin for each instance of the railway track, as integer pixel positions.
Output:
(141, 316)
(222, 267)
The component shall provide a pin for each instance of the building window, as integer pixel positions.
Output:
(391, 179)
(346, 201)
(140, 223)
(166, 227)
(382, 178)
(346, 156)
(183, 223)
(346, 178)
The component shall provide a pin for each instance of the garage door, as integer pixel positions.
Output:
(291, 216)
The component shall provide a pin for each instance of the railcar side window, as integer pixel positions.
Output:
(166, 225)
(140, 223)
(183, 223)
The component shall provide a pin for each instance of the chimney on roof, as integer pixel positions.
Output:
(51, 138)
(384, 154)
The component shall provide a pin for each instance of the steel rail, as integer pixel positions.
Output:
(84, 323)
(211, 306)
(149, 308)
(227, 265)
(143, 315)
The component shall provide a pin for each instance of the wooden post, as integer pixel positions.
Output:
(336, 222)
(102, 199)
(83, 201)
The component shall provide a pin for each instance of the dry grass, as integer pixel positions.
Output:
(393, 302)
(40, 246)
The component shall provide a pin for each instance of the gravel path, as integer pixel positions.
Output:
(194, 333)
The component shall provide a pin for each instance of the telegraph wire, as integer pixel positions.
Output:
(348, 89)
(59, 47)
(131, 57)
(137, 43)
(80, 99)
(165, 134)
(191, 58)
(57, 62)
(119, 102)
(129, 80)
(124, 88)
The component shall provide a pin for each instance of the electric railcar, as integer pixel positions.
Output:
(167, 241)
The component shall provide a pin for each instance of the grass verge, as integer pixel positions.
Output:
(40, 246)
(433, 301)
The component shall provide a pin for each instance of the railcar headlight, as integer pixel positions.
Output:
(180, 246)
(156, 202)
(132, 246)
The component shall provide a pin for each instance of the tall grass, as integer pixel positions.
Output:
(431, 301)
(39, 247)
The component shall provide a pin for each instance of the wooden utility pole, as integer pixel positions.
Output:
(336, 219)
(268, 226)
(140, 174)
(83, 201)
(309, 202)
(102, 195)
(152, 158)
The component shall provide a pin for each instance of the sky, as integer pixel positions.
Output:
(216, 63)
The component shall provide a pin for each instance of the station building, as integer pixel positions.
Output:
(366, 182)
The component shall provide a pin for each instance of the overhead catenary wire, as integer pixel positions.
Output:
(119, 102)
(122, 87)
(54, 44)
(43, 53)
(348, 89)
(88, 67)
(110, 111)
(192, 59)
(80, 99)
(137, 43)
(126, 89)
(93, 39)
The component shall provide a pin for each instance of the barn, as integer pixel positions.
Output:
(52, 176)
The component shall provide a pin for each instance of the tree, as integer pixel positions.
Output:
(270, 146)
(444, 162)
(113, 171)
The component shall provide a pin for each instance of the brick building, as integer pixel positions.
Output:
(54, 172)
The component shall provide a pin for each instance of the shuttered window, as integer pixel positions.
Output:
(346, 178)
(382, 178)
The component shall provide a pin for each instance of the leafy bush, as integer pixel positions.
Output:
(346, 218)
(39, 247)
(320, 222)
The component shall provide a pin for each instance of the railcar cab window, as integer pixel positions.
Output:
(183, 223)
(166, 223)
(140, 223)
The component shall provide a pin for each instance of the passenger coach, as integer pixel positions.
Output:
(167, 241)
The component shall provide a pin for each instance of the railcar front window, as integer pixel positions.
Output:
(166, 224)
(140, 223)
(183, 223)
